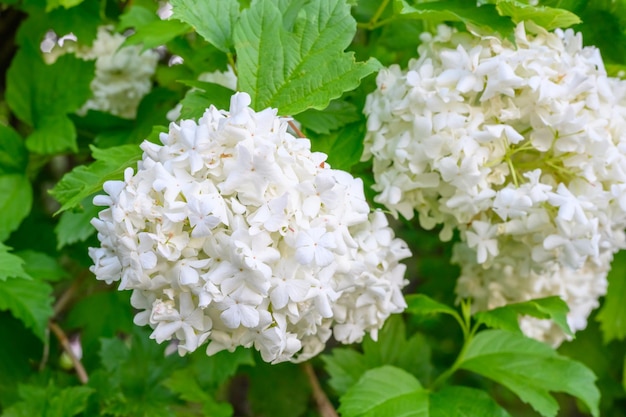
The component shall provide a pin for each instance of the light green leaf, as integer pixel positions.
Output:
(84, 181)
(184, 383)
(212, 19)
(506, 317)
(299, 67)
(548, 17)
(385, 392)
(16, 198)
(13, 154)
(53, 134)
(336, 115)
(49, 401)
(612, 315)
(53, 4)
(29, 301)
(11, 266)
(42, 266)
(464, 402)
(156, 33)
(202, 96)
(423, 305)
(136, 17)
(531, 370)
(484, 19)
(75, 226)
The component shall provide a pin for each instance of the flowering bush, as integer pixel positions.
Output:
(518, 145)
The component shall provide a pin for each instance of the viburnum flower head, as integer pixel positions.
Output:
(233, 232)
(521, 147)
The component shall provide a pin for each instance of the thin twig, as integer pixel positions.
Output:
(67, 296)
(296, 130)
(78, 366)
(324, 405)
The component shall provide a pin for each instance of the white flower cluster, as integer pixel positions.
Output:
(522, 149)
(122, 76)
(234, 232)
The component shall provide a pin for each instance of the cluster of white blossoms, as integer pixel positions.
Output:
(233, 232)
(522, 149)
(122, 75)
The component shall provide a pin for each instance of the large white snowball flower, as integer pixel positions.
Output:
(233, 232)
(519, 146)
(122, 77)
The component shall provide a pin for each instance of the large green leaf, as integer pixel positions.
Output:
(86, 180)
(53, 134)
(49, 401)
(464, 402)
(16, 198)
(75, 226)
(345, 366)
(531, 370)
(42, 266)
(612, 315)
(506, 317)
(296, 61)
(385, 392)
(13, 154)
(212, 19)
(11, 266)
(548, 17)
(28, 300)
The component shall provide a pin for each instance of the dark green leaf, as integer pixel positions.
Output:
(29, 301)
(212, 19)
(84, 181)
(185, 384)
(41, 266)
(13, 154)
(612, 316)
(506, 317)
(336, 115)
(75, 226)
(464, 402)
(344, 147)
(16, 198)
(531, 370)
(49, 401)
(385, 392)
(202, 96)
(302, 68)
(423, 305)
(11, 266)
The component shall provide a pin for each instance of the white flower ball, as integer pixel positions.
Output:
(235, 233)
(521, 148)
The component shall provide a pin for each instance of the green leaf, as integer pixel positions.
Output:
(212, 19)
(84, 181)
(202, 96)
(484, 19)
(548, 17)
(13, 154)
(156, 33)
(39, 94)
(29, 301)
(184, 383)
(11, 266)
(345, 366)
(136, 17)
(335, 116)
(464, 402)
(53, 4)
(385, 392)
(49, 401)
(343, 147)
(612, 315)
(42, 266)
(16, 198)
(53, 134)
(531, 370)
(305, 67)
(506, 317)
(423, 305)
(75, 226)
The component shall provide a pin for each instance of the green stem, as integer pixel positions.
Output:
(378, 13)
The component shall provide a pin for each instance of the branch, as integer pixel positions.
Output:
(60, 334)
(324, 405)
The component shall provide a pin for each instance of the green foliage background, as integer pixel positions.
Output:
(314, 60)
